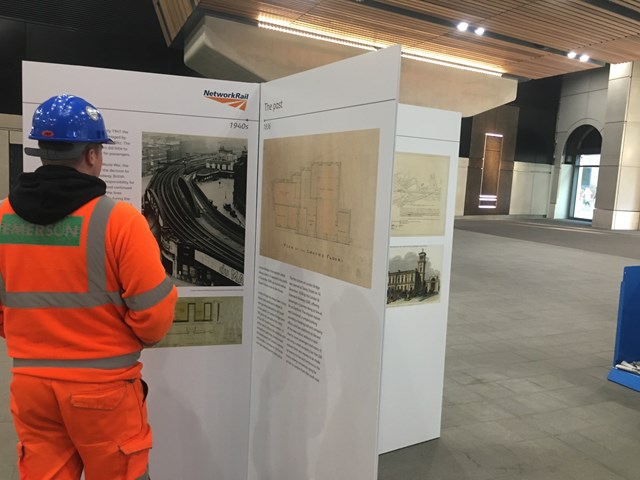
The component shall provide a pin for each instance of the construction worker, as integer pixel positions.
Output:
(82, 291)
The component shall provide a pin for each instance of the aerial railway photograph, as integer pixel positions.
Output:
(194, 198)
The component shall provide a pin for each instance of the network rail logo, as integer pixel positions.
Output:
(233, 99)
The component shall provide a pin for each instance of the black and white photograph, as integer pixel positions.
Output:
(414, 275)
(194, 198)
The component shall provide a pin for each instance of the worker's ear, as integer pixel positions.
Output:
(91, 154)
(92, 159)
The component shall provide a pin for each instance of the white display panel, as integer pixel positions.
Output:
(199, 395)
(415, 333)
(319, 324)
(308, 405)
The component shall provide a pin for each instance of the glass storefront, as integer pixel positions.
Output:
(585, 184)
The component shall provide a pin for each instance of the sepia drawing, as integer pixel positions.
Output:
(205, 321)
(308, 203)
(419, 194)
(318, 202)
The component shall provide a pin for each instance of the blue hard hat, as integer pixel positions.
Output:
(67, 118)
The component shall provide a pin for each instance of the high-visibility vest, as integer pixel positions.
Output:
(80, 298)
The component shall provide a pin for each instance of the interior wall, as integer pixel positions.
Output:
(583, 101)
(530, 189)
(538, 103)
(500, 121)
(618, 196)
(461, 185)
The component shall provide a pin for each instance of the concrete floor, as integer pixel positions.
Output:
(530, 341)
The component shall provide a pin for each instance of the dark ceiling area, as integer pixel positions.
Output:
(116, 17)
(118, 34)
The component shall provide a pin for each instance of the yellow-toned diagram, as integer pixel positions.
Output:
(318, 202)
(309, 203)
(205, 321)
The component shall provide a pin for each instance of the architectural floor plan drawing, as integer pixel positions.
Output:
(309, 203)
(205, 321)
(419, 194)
(318, 202)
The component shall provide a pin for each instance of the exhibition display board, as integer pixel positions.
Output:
(423, 209)
(180, 154)
(325, 185)
(279, 214)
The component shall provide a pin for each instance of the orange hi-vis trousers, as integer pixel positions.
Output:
(66, 427)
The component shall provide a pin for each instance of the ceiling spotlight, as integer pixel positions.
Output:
(479, 31)
(571, 54)
(462, 26)
(584, 58)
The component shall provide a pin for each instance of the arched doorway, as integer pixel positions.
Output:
(582, 150)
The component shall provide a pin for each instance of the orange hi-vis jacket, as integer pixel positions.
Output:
(80, 298)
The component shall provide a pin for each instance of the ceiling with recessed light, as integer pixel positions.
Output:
(525, 39)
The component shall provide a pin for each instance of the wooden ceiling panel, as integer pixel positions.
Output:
(632, 4)
(617, 51)
(561, 25)
(490, 52)
(458, 11)
(384, 25)
(252, 9)
(548, 66)
(526, 38)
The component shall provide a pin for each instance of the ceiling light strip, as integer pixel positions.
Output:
(451, 59)
(276, 25)
(316, 36)
(445, 63)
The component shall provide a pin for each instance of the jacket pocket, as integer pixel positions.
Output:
(137, 444)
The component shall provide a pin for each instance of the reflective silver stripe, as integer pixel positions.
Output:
(96, 241)
(150, 298)
(3, 290)
(109, 363)
(61, 299)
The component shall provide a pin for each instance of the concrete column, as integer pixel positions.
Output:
(618, 196)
